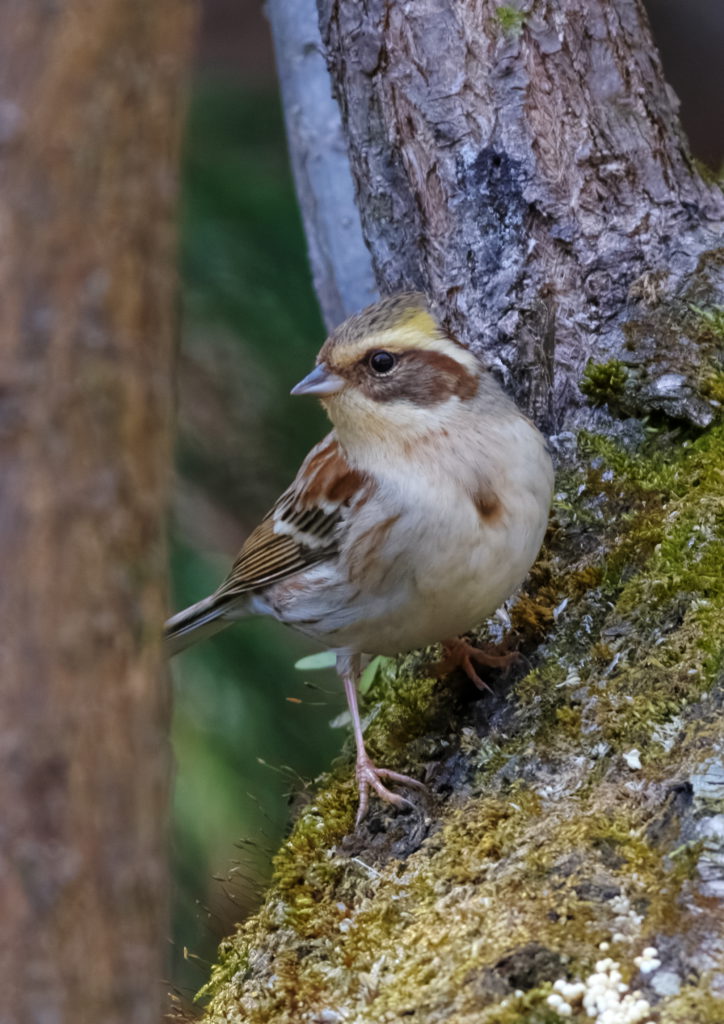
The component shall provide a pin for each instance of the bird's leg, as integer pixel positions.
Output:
(458, 653)
(368, 774)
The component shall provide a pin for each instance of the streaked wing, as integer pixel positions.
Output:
(303, 527)
(268, 556)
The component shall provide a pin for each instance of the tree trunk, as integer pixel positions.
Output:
(90, 113)
(339, 259)
(524, 165)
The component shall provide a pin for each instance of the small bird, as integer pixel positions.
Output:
(409, 523)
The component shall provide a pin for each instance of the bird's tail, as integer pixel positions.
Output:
(197, 622)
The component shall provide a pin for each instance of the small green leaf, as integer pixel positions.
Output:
(370, 673)
(314, 662)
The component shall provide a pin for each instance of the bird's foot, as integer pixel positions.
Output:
(459, 653)
(369, 776)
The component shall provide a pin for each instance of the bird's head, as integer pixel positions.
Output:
(391, 371)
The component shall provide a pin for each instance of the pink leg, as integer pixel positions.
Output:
(368, 774)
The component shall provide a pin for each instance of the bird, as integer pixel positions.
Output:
(412, 521)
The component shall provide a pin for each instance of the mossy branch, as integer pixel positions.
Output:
(578, 806)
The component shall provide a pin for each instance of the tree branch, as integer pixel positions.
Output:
(340, 261)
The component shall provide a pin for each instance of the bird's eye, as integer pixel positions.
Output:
(381, 362)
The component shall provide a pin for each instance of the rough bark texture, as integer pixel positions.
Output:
(90, 112)
(524, 165)
(338, 256)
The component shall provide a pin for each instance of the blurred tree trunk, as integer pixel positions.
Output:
(525, 166)
(91, 102)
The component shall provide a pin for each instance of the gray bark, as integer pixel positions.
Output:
(529, 172)
(340, 261)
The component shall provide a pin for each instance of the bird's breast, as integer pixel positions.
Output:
(428, 555)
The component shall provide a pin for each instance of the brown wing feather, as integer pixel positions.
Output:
(267, 557)
(302, 528)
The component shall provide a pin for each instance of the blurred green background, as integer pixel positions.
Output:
(251, 329)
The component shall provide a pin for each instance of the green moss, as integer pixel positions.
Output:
(569, 720)
(510, 19)
(673, 351)
(603, 383)
(693, 1006)
(711, 383)
(232, 959)
(710, 325)
(661, 580)
(710, 321)
(642, 640)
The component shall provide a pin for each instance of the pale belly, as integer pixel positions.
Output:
(434, 578)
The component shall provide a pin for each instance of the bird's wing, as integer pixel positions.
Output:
(303, 526)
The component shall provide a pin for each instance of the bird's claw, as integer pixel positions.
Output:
(459, 653)
(370, 776)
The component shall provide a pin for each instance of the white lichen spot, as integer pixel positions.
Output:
(633, 759)
(327, 1017)
(558, 1003)
(626, 921)
(503, 617)
(667, 733)
(648, 961)
(604, 995)
(572, 679)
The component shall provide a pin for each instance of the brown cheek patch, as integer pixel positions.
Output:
(423, 377)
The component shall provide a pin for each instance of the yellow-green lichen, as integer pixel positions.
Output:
(510, 19)
(658, 608)
(711, 321)
(693, 1006)
(603, 383)
(672, 355)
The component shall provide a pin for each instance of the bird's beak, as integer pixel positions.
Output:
(321, 381)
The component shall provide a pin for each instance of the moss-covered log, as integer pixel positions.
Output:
(574, 816)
